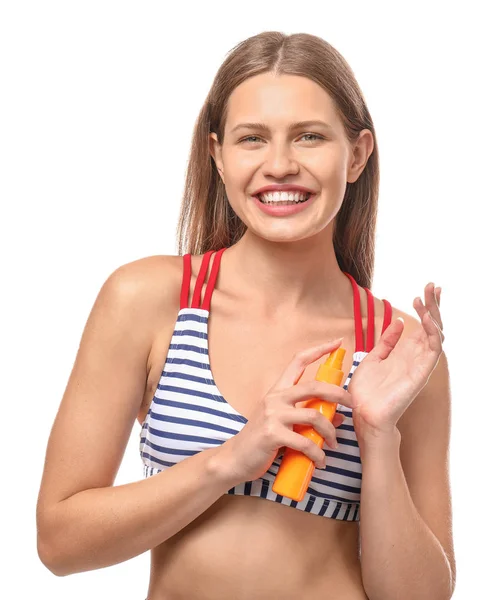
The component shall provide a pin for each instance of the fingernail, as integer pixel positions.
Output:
(331, 343)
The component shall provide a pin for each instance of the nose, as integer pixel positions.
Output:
(279, 161)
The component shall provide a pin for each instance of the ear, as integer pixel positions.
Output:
(215, 150)
(361, 151)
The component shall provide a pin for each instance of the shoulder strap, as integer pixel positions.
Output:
(370, 341)
(358, 323)
(370, 334)
(370, 328)
(212, 279)
(200, 279)
(186, 279)
(387, 315)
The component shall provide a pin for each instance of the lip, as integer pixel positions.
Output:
(283, 187)
(283, 211)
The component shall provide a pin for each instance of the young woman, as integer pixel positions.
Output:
(215, 351)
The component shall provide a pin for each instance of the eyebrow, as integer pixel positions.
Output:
(296, 125)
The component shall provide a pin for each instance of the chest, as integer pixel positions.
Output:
(247, 356)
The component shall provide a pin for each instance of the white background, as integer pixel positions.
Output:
(97, 106)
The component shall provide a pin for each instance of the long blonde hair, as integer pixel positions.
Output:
(207, 221)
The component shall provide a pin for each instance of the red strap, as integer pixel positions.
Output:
(370, 341)
(186, 280)
(387, 315)
(212, 278)
(370, 329)
(358, 323)
(201, 279)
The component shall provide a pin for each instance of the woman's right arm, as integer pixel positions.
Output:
(83, 521)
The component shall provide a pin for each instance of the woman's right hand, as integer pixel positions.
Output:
(249, 454)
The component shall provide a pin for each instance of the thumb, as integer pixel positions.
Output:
(338, 419)
(388, 339)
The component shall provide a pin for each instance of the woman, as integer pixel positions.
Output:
(276, 244)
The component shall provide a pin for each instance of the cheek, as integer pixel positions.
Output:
(239, 171)
(238, 160)
(327, 167)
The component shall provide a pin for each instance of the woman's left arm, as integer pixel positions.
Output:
(402, 414)
(405, 519)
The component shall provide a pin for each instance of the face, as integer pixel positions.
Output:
(316, 156)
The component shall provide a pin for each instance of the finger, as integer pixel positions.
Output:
(301, 360)
(309, 390)
(301, 443)
(419, 306)
(422, 312)
(431, 303)
(422, 309)
(435, 335)
(438, 296)
(310, 416)
(338, 419)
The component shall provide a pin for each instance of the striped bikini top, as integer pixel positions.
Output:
(188, 414)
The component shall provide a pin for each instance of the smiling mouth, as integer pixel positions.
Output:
(284, 202)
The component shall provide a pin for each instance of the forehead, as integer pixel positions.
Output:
(279, 99)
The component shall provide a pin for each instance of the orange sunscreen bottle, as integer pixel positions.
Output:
(296, 469)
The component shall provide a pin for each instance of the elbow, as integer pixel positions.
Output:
(48, 548)
(47, 556)
(57, 553)
(453, 580)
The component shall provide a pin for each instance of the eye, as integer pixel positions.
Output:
(314, 135)
(248, 138)
(318, 137)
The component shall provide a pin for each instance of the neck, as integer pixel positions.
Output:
(298, 276)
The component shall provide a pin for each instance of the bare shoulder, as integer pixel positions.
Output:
(147, 290)
(155, 280)
(411, 321)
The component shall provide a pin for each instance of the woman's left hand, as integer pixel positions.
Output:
(391, 375)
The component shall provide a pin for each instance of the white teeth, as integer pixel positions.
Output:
(284, 196)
